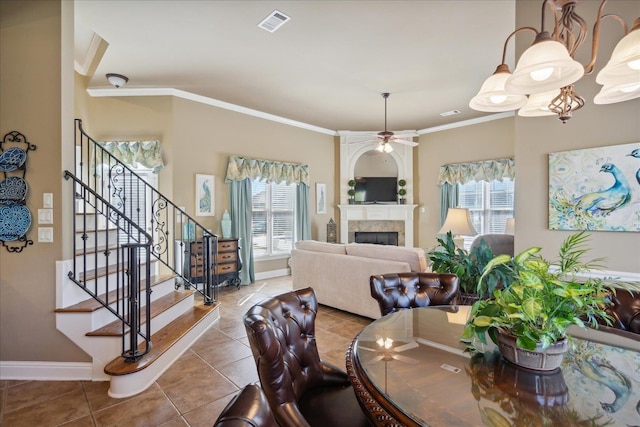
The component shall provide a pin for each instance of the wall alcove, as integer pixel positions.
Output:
(354, 156)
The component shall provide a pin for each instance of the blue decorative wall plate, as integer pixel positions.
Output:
(12, 159)
(14, 222)
(13, 190)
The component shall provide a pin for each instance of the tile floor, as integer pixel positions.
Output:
(192, 392)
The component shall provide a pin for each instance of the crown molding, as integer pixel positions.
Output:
(118, 92)
(470, 122)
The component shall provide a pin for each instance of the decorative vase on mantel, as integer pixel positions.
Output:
(547, 359)
(225, 225)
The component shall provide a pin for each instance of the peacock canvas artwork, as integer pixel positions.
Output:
(596, 189)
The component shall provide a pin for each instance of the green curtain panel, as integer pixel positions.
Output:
(240, 206)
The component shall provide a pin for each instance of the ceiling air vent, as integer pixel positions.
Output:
(274, 21)
(450, 113)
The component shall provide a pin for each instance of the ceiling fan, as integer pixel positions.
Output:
(385, 137)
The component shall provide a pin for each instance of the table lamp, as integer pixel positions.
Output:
(458, 222)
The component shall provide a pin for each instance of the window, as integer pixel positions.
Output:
(489, 203)
(273, 216)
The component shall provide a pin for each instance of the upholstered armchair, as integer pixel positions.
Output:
(249, 408)
(498, 243)
(408, 290)
(301, 389)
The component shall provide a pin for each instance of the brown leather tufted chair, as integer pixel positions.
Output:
(301, 389)
(625, 310)
(248, 408)
(408, 290)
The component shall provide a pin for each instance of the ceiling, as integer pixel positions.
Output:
(327, 66)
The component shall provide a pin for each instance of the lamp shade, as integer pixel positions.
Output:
(458, 222)
(624, 65)
(544, 66)
(493, 97)
(538, 104)
(617, 93)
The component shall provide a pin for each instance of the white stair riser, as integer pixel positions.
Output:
(89, 222)
(129, 385)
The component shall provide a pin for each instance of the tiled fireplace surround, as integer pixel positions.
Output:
(375, 217)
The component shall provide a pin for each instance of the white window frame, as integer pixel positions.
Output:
(270, 241)
(480, 216)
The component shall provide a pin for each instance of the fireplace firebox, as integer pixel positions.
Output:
(377, 237)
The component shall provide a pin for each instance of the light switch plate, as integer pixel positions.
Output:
(45, 216)
(47, 200)
(45, 234)
(179, 216)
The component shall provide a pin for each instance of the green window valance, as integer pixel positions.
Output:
(488, 170)
(146, 153)
(240, 168)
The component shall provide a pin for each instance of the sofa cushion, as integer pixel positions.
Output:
(414, 256)
(316, 246)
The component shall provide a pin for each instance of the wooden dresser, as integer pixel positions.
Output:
(228, 267)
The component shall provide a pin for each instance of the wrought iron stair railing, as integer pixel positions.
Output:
(152, 211)
(146, 223)
(120, 287)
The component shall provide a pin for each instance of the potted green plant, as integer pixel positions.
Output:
(402, 191)
(528, 320)
(468, 266)
(352, 191)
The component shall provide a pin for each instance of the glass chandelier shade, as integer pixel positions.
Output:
(538, 104)
(624, 66)
(617, 93)
(546, 65)
(384, 147)
(493, 96)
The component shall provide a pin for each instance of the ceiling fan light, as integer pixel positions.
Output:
(624, 65)
(538, 104)
(493, 97)
(546, 65)
(387, 148)
(618, 93)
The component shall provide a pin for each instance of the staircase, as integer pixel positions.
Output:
(123, 298)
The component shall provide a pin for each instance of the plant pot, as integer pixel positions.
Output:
(467, 298)
(403, 201)
(352, 202)
(546, 359)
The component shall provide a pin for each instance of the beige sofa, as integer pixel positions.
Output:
(339, 273)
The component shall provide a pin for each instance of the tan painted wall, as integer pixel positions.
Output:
(485, 141)
(591, 126)
(198, 138)
(30, 64)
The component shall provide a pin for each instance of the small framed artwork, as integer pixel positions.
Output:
(321, 198)
(205, 195)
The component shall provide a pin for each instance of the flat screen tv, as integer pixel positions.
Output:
(376, 190)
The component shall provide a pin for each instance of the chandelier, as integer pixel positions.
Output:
(547, 70)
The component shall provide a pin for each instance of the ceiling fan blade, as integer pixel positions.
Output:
(407, 135)
(407, 346)
(377, 359)
(405, 359)
(405, 142)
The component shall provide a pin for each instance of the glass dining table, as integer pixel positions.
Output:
(410, 368)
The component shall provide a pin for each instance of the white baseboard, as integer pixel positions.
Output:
(273, 273)
(45, 371)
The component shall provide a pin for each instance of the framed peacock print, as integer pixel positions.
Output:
(596, 189)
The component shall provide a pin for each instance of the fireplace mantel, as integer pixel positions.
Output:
(377, 212)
